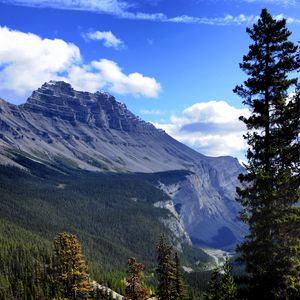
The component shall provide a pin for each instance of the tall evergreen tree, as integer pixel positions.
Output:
(270, 188)
(222, 285)
(70, 273)
(180, 285)
(166, 270)
(228, 288)
(213, 289)
(134, 289)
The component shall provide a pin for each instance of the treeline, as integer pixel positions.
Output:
(269, 196)
(63, 273)
(32, 272)
(97, 207)
(22, 265)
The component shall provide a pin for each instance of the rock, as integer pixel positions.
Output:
(95, 132)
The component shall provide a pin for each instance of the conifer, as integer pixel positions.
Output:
(213, 289)
(270, 188)
(180, 285)
(222, 285)
(228, 288)
(70, 273)
(134, 289)
(166, 270)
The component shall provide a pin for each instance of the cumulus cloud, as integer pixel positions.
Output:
(289, 20)
(134, 83)
(123, 9)
(211, 128)
(108, 38)
(27, 61)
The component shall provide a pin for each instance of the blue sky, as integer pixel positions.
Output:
(173, 62)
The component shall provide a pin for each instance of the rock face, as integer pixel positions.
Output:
(205, 202)
(58, 100)
(95, 132)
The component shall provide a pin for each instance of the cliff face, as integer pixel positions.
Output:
(95, 132)
(58, 100)
(205, 202)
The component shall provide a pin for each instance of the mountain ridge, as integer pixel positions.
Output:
(95, 132)
(54, 107)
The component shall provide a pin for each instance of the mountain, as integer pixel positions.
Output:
(59, 126)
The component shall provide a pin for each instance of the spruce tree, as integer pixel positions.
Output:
(213, 289)
(134, 289)
(270, 188)
(166, 270)
(228, 288)
(180, 286)
(222, 285)
(70, 273)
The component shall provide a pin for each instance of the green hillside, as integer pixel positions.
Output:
(112, 214)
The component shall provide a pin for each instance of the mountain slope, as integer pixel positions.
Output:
(111, 213)
(58, 125)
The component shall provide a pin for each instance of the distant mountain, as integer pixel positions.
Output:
(94, 132)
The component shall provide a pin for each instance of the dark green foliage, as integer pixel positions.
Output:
(197, 282)
(222, 285)
(180, 285)
(96, 206)
(171, 283)
(24, 258)
(213, 289)
(166, 270)
(228, 286)
(270, 188)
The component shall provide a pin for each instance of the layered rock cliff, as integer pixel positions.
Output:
(95, 132)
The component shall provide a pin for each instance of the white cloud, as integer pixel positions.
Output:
(104, 6)
(108, 38)
(152, 112)
(134, 83)
(211, 128)
(289, 20)
(27, 61)
(279, 2)
(226, 20)
(122, 8)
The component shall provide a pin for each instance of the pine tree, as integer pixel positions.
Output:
(228, 287)
(214, 286)
(166, 270)
(222, 285)
(70, 273)
(180, 286)
(134, 289)
(270, 188)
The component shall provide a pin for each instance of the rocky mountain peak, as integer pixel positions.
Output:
(58, 100)
(61, 127)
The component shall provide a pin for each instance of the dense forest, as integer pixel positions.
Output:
(111, 214)
(46, 210)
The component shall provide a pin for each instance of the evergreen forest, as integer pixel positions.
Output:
(64, 231)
